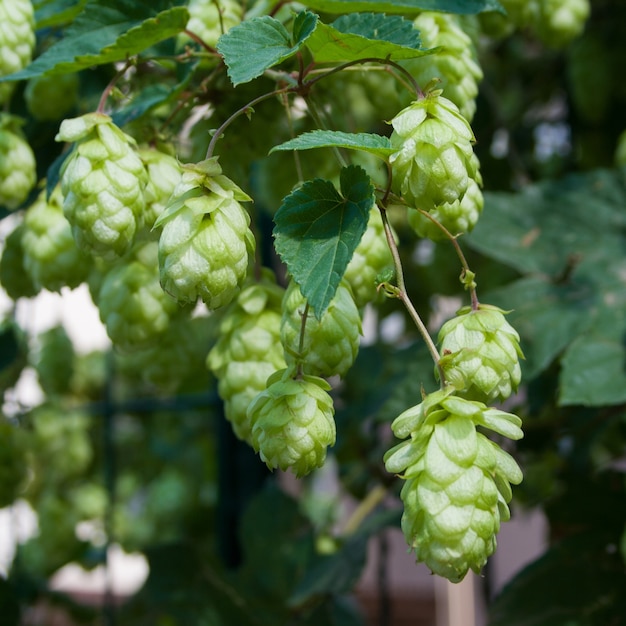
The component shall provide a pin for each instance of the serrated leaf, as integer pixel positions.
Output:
(365, 142)
(365, 35)
(259, 43)
(54, 13)
(463, 7)
(105, 33)
(317, 230)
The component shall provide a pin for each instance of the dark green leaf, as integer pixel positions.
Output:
(259, 43)
(317, 230)
(465, 7)
(54, 13)
(105, 33)
(366, 142)
(146, 100)
(365, 35)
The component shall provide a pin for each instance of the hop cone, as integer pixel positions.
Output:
(433, 162)
(561, 21)
(330, 344)
(51, 97)
(209, 19)
(164, 173)
(456, 486)
(132, 305)
(55, 360)
(481, 354)
(14, 278)
(206, 239)
(457, 217)
(103, 183)
(370, 258)
(18, 172)
(293, 422)
(17, 40)
(456, 65)
(248, 351)
(51, 257)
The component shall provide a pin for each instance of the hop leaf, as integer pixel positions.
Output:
(457, 482)
(293, 422)
(481, 354)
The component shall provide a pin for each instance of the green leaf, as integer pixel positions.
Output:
(54, 13)
(106, 32)
(366, 142)
(464, 7)
(365, 35)
(152, 96)
(259, 43)
(317, 230)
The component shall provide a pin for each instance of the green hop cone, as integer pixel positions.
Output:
(248, 350)
(14, 278)
(18, 169)
(209, 19)
(132, 305)
(371, 257)
(456, 217)
(331, 344)
(293, 422)
(51, 257)
(206, 240)
(433, 159)
(561, 21)
(481, 354)
(455, 65)
(17, 40)
(457, 481)
(51, 98)
(102, 182)
(54, 362)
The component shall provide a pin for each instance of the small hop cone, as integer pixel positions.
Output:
(206, 240)
(561, 21)
(371, 257)
(456, 65)
(55, 361)
(51, 257)
(457, 481)
(248, 351)
(481, 354)
(51, 98)
(17, 40)
(14, 278)
(209, 19)
(330, 344)
(293, 422)
(433, 159)
(132, 305)
(103, 182)
(164, 173)
(18, 169)
(456, 217)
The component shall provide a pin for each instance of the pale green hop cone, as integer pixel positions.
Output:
(206, 240)
(18, 169)
(103, 182)
(481, 354)
(209, 19)
(457, 485)
(293, 422)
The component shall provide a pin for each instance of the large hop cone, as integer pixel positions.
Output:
(248, 350)
(293, 422)
(18, 171)
(330, 344)
(455, 65)
(370, 258)
(481, 354)
(17, 40)
(457, 481)
(103, 183)
(51, 256)
(433, 159)
(132, 305)
(206, 239)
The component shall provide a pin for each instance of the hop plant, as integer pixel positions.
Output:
(457, 481)
(209, 19)
(164, 173)
(18, 171)
(248, 350)
(456, 65)
(206, 239)
(51, 257)
(50, 98)
(132, 305)
(14, 278)
(103, 182)
(330, 344)
(17, 40)
(293, 422)
(481, 354)
(370, 258)
(433, 159)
